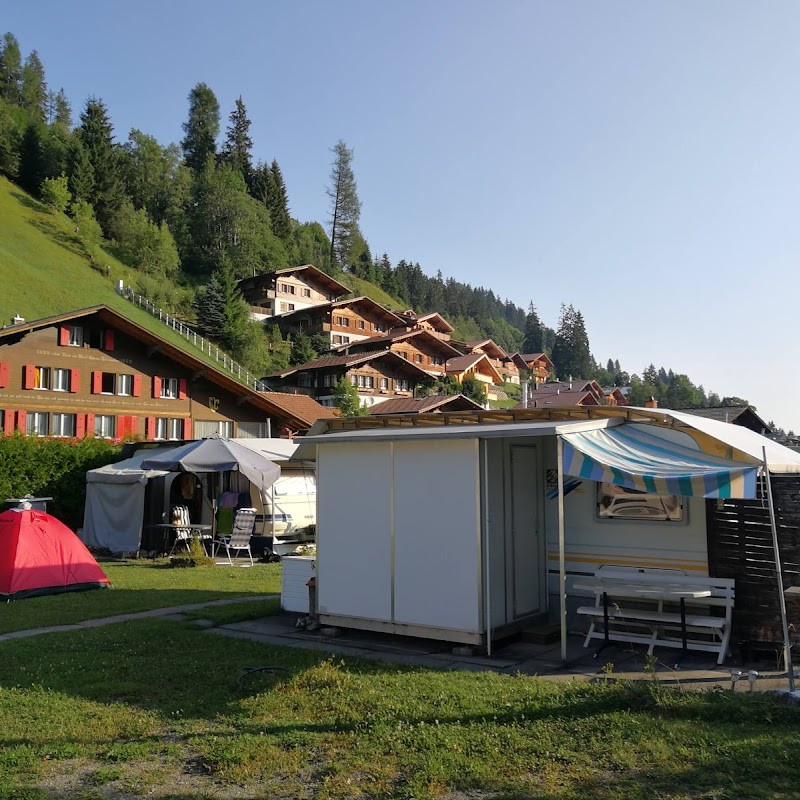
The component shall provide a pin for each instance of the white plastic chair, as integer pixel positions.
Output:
(244, 523)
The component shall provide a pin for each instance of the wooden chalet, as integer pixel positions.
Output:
(419, 346)
(559, 398)
(614, 396)
(377, 376)
(343, 321)
(474, 365)
(433, 322)
(538, 365)
(94, 372)
(745, 416)
(501, 361)
(435, 404)
(287, 290)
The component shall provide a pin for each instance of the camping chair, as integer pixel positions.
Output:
(244, 523)
(180, 516)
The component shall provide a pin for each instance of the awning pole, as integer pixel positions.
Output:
(486, 565)
(562, 567)
(779, 574)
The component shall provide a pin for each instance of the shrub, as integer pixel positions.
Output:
(194, 557)
(55, 193)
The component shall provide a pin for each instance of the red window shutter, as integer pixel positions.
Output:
(97, 382)
(8, 423)
(22, 421)
(108, 339)
(133, 426)
(90, 424)
(182, 389)
(74, 381)
(29, 379)
(120, 427)
(63, 335)
(149, 427)
(187, 428)
(80, 426)
(3, 374)
(156, 386)
(137, 385)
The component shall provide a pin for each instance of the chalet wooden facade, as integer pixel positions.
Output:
(475, 365)
(94, 372)
(504, 363)
(420, 346)
(287, 290)
(343, 321)
(433, 322)
(538, 365)
(377, 376)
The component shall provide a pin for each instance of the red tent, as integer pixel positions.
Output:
(40, 555)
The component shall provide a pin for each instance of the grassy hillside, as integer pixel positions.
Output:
(362, 287)
(44, 272)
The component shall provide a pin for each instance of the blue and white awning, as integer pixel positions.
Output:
(627, 455)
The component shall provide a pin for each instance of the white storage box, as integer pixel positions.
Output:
(297, 571)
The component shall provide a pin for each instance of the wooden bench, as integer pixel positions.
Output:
(630, 607)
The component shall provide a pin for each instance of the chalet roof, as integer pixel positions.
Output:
(539, 399)
(390, 316)
(354, 360)
(320, 276)
(301, 404)
(443, 325)
(486, 345)
(178, 354)
(399, 336)
(529, 357)
(423, 405)
(463, 363)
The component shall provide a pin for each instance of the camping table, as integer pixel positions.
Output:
(37, 503)
(663, 591)
(196, 530)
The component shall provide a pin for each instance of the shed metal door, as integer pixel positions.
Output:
(525, 535)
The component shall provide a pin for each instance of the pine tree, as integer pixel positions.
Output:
(302, 350)
(201, 128)
(571, 354)
(31, 160)
(97, 137)
(533, 341)
(210, 308)
(345, 206)
(80, 172)
(10, 69)
(59, 111)
(33, 89)
(238, 143)
(278, 203)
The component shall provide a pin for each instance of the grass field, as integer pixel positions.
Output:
(144, 585)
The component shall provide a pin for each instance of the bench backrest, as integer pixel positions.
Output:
(722, 588)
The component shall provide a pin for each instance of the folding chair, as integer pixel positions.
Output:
(244, 523)
(180, 516)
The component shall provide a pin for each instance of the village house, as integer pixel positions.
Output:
(474, 365)
(377, 376)
(94, 372)
(433, 322)
(287, 290)
(434, 404)
(420, 346)
(341, 322)
(538, 365)
(500, 360)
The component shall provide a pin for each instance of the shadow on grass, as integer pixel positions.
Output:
(56, 234)
(24, 200)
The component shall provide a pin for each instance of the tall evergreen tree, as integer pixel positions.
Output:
(10, 69)
(97, 137)
(278, 203)
(210, 308)
(571, 354)
(345, 208)
(80, 172)
(33, 89)
(31, 160)
(302, 349)
(533, 342)
(238, 143)
(201, 128)
(59, 111)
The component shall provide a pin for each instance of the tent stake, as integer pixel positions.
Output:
(562, 568)
(778, 571)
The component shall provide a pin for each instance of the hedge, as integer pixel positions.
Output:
(48, 467)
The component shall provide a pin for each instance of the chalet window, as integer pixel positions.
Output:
(403, 354)
(63, 425)
(286, 288)
(418, 358)
(75, 336)
(41, 377)
(125, 385)
(252, 430)
(37, 423)
(205, 428)
(401, 384)
(361, 324)
(105, 426)
(384, 383)
(108, 382)
(305, 381)
(361, 381)
(169, 428)
(169, 388)
(436, 360)
(95, 338)
(380, 327)
(354, 380)
(369, 382)
(287, 307)
(306, 292)
(329, 298)
(328, 380)
(61, 380)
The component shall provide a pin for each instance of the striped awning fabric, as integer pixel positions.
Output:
(627, 455)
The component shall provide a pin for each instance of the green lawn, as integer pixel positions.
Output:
(143, 585)
(153, 709)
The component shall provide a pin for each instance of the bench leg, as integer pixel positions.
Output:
(684, 646)
(606, 634)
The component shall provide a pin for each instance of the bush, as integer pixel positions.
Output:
(194, 557)
(56, 468)
(55, 193)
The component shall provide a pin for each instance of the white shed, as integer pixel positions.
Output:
(447, 526)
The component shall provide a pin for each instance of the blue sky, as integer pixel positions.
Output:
(639, 160)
